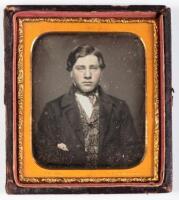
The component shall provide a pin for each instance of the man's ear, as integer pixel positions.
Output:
(101, 75)
(71, 74)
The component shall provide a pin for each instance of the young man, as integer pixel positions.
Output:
(86, 128)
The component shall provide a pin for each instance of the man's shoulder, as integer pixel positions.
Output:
(120, 105)
(116, 101)
(56, 100)
(55, 104)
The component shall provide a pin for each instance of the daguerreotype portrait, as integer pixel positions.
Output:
(86, 126)
(88, 99)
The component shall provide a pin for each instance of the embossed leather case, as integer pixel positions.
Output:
(136, 45)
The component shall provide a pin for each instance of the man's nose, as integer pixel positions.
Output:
(87, 74)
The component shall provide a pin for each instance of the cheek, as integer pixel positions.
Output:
(97, 76)
(77, 76)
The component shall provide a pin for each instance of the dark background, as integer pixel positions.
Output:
(123, 77)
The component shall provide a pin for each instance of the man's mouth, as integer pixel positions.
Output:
(87, 82)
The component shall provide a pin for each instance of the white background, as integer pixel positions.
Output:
(174, 5)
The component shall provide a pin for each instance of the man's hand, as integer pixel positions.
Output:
(62, 147)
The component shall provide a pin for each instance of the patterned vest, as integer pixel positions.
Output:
(90, 128)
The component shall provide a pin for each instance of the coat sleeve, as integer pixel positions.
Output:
(131, 146)
(46, 138)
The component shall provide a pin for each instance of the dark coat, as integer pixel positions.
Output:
(119, 146)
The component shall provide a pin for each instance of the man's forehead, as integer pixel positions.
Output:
(89, 59)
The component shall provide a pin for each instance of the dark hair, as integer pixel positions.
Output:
(81, 51)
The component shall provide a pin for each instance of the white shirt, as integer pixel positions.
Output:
(85, 103)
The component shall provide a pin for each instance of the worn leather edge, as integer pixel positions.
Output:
(11, 187)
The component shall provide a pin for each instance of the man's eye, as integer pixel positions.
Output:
(79, 67)
(94, 67)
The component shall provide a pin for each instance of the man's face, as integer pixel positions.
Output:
(86, 73)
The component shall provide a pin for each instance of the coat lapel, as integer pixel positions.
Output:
(106, 105)
(71, 112)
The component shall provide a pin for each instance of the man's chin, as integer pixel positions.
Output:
(86, 89)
